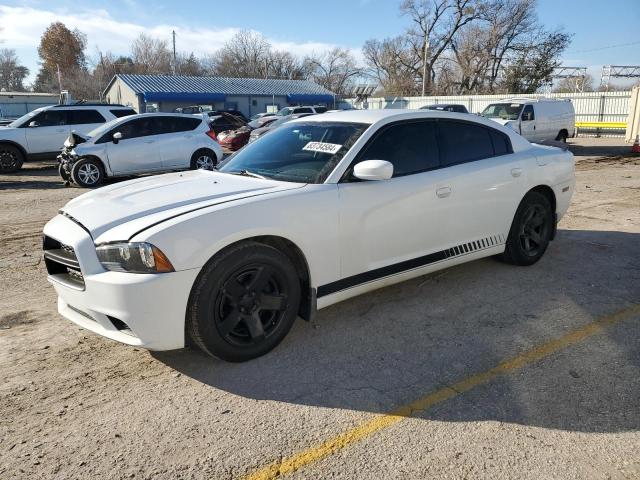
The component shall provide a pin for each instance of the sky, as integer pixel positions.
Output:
(604, 32)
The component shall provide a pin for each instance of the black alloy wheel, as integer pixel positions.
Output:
(244, 302)
(530, 231)
(534, 230)
(251, 304)
(11, 159)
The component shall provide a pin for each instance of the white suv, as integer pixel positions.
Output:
(137, 144)
(286, 111)
(42, 132)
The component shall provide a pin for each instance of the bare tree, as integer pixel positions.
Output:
(335, 69)
(393, 65)
(575, 84)
(466, 46)
(245, 55)
(12, 74)
(150, 55)
(188, 65)
(434, 23)
(283, 64)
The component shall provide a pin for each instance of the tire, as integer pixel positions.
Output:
(562, 136)
(11, 158)
(243, 303)
(204, 159)
(88, 172)
(63, 173)
(530, 232)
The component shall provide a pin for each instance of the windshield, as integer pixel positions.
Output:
(284, 112)
(505, 111)
(102, 129)
(299, 152)
(18, 122)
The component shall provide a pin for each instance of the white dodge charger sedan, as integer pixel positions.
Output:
(322, 209)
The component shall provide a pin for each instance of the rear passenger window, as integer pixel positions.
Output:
(303, 110)
(410, 147)
(79, 117)
(320, 109)
(501, 143)
(122, 113)
(177, 124)
(464, 142)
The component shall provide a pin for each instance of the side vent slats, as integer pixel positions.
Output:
(474, 246)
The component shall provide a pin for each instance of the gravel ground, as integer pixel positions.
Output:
(75, 405)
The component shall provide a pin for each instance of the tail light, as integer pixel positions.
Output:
(212, 135)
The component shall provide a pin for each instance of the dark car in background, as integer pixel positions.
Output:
(446, 107)
(223, 121)
(235, 139)
(231, 111)
(258, 132)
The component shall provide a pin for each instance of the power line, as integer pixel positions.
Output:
(604, 48)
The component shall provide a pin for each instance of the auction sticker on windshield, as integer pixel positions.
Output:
(322, 147)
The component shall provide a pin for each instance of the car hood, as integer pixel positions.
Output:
(502, 121)
(75, 139)
(119, 211)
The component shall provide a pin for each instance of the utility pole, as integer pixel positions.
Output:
(174, 51)
(424, 63)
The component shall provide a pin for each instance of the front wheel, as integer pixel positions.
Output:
(87, 173)
(530, 232)
(244, 302)
(63, 173)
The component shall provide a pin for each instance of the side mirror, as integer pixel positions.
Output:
(117, 137)
(373, 170)
(33, 124)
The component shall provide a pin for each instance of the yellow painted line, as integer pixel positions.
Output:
(380, 422)
(601, 125)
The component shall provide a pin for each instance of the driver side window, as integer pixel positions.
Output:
(527, 113)
(50, 118)
(410, 147)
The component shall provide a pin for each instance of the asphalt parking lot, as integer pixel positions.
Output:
(483, 370)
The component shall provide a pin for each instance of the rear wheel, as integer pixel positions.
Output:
(531, 230)
(88, 172)
(244, 302)
(204, 159)
(562, 136)
(11, 158)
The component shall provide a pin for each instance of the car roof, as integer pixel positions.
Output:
(371, 117)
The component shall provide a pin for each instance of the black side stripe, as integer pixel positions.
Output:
(405, 266)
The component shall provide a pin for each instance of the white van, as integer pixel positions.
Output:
(537, 120)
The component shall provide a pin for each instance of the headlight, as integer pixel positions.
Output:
(137, 257)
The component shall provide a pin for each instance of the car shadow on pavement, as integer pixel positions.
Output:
(387, 348)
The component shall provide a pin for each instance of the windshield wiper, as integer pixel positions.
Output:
(247, 173)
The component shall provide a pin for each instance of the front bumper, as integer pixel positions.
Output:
(145, 310)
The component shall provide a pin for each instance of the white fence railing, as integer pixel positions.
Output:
(589, 107)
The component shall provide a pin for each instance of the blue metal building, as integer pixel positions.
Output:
(164, 93)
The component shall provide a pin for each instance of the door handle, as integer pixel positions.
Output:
(149, 141)
(516, 172)
(443, 192)
(60, 130)
(534, 127)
